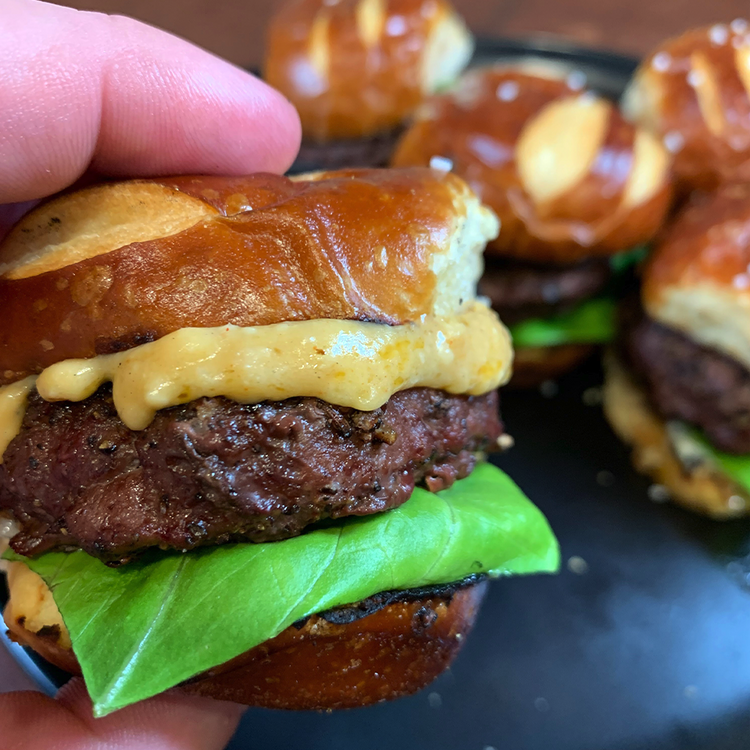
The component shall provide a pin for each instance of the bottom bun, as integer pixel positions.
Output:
(382, 648)
(533, 365)
(392, 652)
(702, 488)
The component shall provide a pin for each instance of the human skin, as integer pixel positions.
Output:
(173, 721)
(86, 96)
(85, 93)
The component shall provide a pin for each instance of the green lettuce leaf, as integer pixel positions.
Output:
(145, 627)
(592, 322)
(735, 467)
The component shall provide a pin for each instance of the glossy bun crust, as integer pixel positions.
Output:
(120, 264)
(700, 488)
(356, 68)
(697, 279)
(568, 177)
(693, 92)
(394, 651)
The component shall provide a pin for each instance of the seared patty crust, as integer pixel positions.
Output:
(370, 151)
(519, 290)
(689, 382)
(214, 471)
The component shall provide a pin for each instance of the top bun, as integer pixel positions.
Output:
(568, 177)
(697, 279)
(354, 68)
(693, 92)
(113, 266)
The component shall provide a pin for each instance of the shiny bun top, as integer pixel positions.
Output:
(354, 68)
(568, 177)
(693, 92)
(698, 277)
(116, 265)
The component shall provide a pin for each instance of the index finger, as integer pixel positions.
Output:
(82, 90)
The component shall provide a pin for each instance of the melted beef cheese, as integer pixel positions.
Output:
(347, 363)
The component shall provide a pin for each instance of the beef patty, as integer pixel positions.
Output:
(519, 290)
(370, 151)
(214, 471)
(690, 382)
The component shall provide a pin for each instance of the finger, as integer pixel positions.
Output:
(83, 90)
(172, 721)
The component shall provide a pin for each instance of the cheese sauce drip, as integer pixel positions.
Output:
(347, 363)
(13, 400)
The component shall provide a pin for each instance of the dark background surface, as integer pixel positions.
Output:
(645, 647)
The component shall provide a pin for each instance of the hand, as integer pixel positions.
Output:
(172, 721)
(85, 95)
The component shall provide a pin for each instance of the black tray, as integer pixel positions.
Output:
(641, 642)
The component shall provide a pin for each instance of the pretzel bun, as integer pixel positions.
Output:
(701, 488)
(355, 68)
(116, 265)
(697, 279)
(393, 651)
(692, 91)
(568, 177)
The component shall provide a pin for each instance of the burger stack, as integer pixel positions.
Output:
(575, 187)
(678, 387)
(356, 70)
(242, 429)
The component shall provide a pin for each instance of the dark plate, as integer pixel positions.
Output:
(648, 649)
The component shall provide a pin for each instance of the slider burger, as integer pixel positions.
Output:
(693, 92)
(356, 70)
(678, 391)
(574, 186)
(242, 425)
